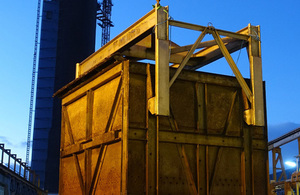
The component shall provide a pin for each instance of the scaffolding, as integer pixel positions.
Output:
(282, 182)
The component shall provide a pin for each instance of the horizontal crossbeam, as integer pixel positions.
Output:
(200, 45)
(201, 28)
(105, 138)
(128, 37)
(290, 136)
(195, 138)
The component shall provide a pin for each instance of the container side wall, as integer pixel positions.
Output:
(137, 148)
(201, 145)
(91, 132)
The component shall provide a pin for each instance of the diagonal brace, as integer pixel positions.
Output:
(183, 156)
(79, 174)
(188, 56)
(232, 65)
(98, 168)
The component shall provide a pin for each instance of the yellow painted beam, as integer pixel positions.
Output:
(233, 66)
(161, 63)
(201, 28)
(182, 137)
(133, 32)
(254, 52)
(187, 57)
(200, 45)
(141, 52)
(212, 45)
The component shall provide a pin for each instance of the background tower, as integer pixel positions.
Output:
(67, 37)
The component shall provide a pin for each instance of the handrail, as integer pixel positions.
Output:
(284, 139)
(14, 164)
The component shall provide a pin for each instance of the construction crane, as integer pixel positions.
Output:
(104, 17)
(33, 81)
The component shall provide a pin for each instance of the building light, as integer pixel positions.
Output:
(290, 164)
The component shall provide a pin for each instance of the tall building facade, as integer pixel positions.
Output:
(67, 37)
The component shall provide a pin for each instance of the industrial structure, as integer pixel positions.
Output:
(281, 182)
(129, 127)
(104, 17)
(165, 127)
(16, 177)
(67, 36)
(45, 87)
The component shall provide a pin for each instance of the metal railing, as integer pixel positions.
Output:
(14, 164)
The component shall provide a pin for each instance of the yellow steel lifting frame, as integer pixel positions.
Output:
(148, 38)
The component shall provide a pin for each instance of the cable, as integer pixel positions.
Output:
(237, 60)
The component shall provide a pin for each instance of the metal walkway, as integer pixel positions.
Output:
(15, 176)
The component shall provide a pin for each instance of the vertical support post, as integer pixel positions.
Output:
(274, 164)
(151, 157)
(206, 147)
(157, 153)
(29, 175)
(297, 171)
(162, 62)
(125, 128)
(89, 114)
(268, 172)
(88, 152)
(77, 72)
(15, 163)
(198, 168)
(151, 143)
(24, 170)
(207, 170)
(243, 176)
(254, 53)
(8, 163)
(248, 161)
(2, 155)
(298, 147)
(88, 170)
(20, 166)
